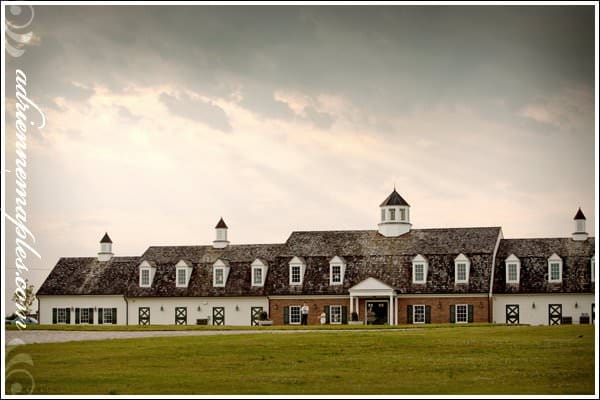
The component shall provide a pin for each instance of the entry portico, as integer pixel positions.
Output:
(374, 289)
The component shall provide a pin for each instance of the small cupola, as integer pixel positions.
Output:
(580, 233)
(105, 253)
(395, 216)
(221, 235)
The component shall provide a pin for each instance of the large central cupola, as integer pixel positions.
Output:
(395, 216)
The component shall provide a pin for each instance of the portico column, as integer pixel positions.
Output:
(391, 311)
(396, 307)
(351, 305)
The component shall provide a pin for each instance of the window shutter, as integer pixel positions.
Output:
(470, 307)
(427, 314)
(77, 315)
(344, 315)
(409, 315)
(54, 316)
(114, 315)
(91, 316)
(68, 315)
(452, 314)
(100, 316)
(286, 315)
(326, 311)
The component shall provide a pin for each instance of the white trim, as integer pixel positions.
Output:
(378, 301)
(299, 315)
(414, 320)
(341, 264)
(555, 259)
(330, 314)
(512, 260)
(462, 259)
(149, 283)
(419, 260)
(145, 265)
(223, 267)
(456, 321)
(258, 265)
(294, 263)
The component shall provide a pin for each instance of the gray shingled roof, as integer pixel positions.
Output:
(394, 199)
(534, 254)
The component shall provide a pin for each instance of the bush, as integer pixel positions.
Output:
(354, 316)
(263, 316)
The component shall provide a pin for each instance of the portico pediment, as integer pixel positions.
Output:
(371, 284)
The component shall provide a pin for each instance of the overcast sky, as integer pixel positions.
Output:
(161, 119)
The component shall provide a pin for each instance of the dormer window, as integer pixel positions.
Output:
(419, 269)
(402, 214)
(259, 272)
(461, 269)
(147, 271)
(220, 273)
(392, 214)
(337, 269)
(555, 265)
(383, 214)
(183, 271)
(297, 268)
(513, 269)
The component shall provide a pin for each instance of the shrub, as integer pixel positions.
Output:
(354, 316)
(263, 316)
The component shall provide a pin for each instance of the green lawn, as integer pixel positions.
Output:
(469, 360)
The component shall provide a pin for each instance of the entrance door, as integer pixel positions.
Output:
(180, 315)
(554, 314)
(144, 315)
(255, 315)
(218, 316)
(377, 312)
(512, 313)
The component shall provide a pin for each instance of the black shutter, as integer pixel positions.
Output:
(77, 315)
(326, 311)
(68, 315)
(452, 314)
(114, 315)
(91, 316)
(286, 315)
(54, 316)
(470, 312)
(344, 315)
(427, 314)
(100, 316)
(409, 314)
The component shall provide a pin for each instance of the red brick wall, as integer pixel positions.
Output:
(315, 308)
(440, 308)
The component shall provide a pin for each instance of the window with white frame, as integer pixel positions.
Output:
(336, 274)
(259, 271)
(419, 269)
(145, 277)
(513, 269)
(295, 314)
(461, 269)
(107, 316)
(335, 314)
(219, 274)
(392, 214)
(554, 268)
(296, 274)
(337, 267)
(257, 276)
(61, 315)
(84, 316)
(181, 277)
(383, 214)
(419, 314)
(462, 313)
(402, 214)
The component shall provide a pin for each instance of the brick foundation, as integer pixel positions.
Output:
(315, 308)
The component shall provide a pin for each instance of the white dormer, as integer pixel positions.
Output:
(259, 272)
(183, 272)
(419, 269)
(462, 268)
(105, 253)
(337, 269)
(395, 216)
(513, 269)
(297, 269)
(555, 268)
(220, 273)
(146, 274)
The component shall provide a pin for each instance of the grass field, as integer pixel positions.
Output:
(469, 360)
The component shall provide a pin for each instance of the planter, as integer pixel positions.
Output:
(355, 322)
(265, 323)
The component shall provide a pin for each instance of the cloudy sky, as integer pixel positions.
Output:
(161, 119)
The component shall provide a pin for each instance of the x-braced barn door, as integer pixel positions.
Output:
(144, 315)
(512, 313)
(255, 315)
(180, 315)
(218, 316)
(554, 314)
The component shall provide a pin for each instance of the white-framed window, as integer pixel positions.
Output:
(419, 269)
(297, 268)
(220, 273)
(145, 277)
(259, 271)
(462, 313)
(219, 277)
(61, 315)
(419, 314)
(383, 214)
(107, 316)
(593, 266)
(555, 268)
(257, 277)
(296, 274)
(336, 274)
(337, 268)
(513, 269)
(402, 214)
(181, 277)
(295, 315)
(462, 265)
(392, 214)
(335, 314)
(84, 316)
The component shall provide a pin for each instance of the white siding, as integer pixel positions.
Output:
(238, 317)
(47, 303)
(539, 314)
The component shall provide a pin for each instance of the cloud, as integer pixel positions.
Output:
(263, 102)
(126, 115)
(197, 110)
(321, 120)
